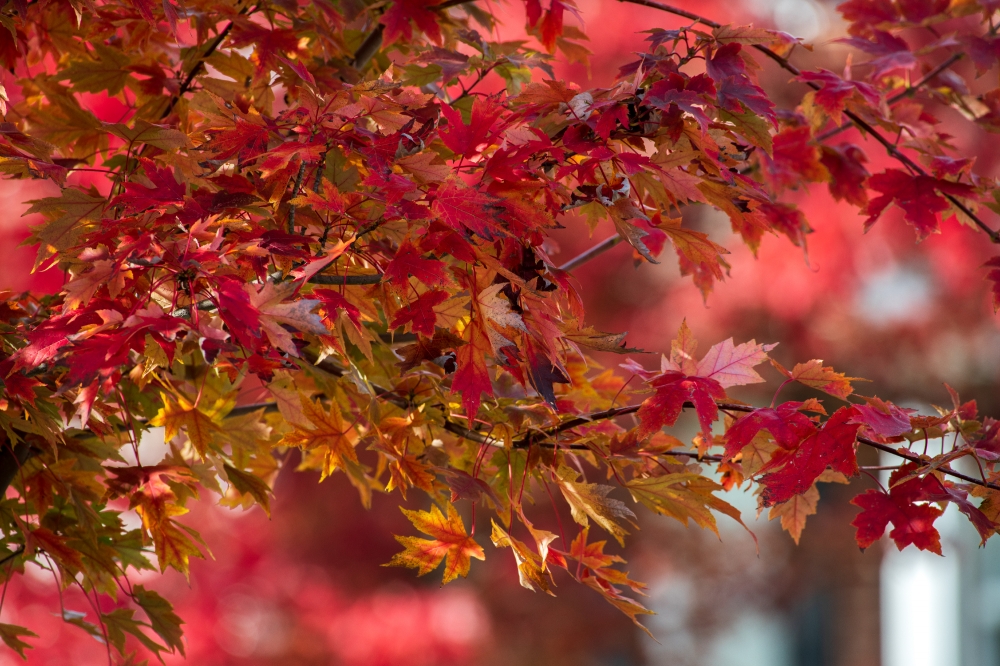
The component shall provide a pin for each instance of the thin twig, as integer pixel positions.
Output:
(916, 459)
(12, 555)
(587, 255)
(295, 192)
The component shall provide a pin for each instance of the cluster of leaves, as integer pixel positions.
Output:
(307, 231)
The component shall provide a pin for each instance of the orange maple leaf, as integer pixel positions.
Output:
(329, 433)
(450, 543)
(815, 375)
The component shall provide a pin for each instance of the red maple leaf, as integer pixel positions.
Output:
(463, 139)
(246, 139)
(673, 389)
(398, 17)
(794, 159)
(863, 13)
(734, 85)
(684, 94)
(472, 379)
(606, 124)
(917, 11)
(21, 387)
(552, 25)
(333, 301)
(533, 10)
(831, 446)
(420, 313)
(984, 52)
(891, 52)
(787, 219)
(242, 318)
(466, 208)
(883, 419)
(409, 262)
(268, 45)
(166, 190)
(45, 341)
(836, 93)
(916, 195)
(912, 523)
(847, 173)
(786, 424)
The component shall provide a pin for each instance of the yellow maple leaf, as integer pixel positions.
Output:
(329, 433)
(530, 567)
(199, 425)
(591, 500)
(173, 547)
(794, 512)
(451, 543)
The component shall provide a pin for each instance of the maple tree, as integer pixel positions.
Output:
(310, 230)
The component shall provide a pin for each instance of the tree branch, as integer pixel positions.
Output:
(349, 280)
(198, 65)
(295, 192)
(375, 278)
(530, 439)
(14, 553)
(587, 255)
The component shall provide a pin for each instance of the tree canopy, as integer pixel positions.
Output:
(312, 238)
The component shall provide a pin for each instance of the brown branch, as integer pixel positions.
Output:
(530, 439)
(189, 79)
(12, 555)
(295, 192)
(910, 90)
(368, 48)
(916, 459)
(587, 255)
(533, 438)
(349, 280)
(375, 278)
(857, 120)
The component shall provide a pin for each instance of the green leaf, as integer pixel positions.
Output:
(76, 618)
(752, 127)
(11, 635)
(108, 72)
(247, 483)
(591, 500)
(120, 622)
(157, 136)
(68, 217)
(161, 616)
(340, 172)
(415, 75)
